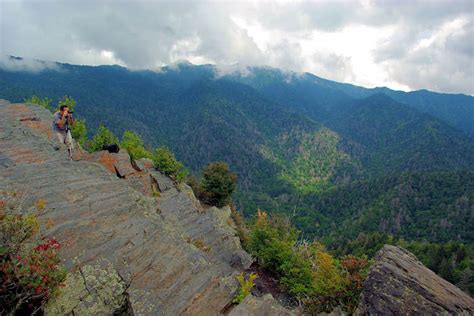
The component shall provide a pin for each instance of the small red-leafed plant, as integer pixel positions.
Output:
(30, 268)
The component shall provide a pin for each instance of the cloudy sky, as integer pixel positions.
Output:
(402, 44)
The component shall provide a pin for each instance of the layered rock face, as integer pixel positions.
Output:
(133, 239)
(398, 284)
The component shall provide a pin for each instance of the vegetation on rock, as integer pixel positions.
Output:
(307, 271)
(30, 268)
(134, 145)
(246, 286)
(103, 137)
(165, 161)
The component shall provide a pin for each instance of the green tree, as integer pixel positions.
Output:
(218, 184)
(165, 161)
(69, 101)
(103, 137)
(79, 131)
(44, 102)
(134, 146)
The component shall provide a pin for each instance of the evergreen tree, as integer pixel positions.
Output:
(218, 184)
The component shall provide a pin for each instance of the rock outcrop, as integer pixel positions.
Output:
(398, 284)
(132, 237)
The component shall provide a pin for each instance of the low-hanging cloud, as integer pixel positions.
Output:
(371, 43)
(13, 63)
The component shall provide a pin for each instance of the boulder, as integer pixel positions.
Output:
(398, 284)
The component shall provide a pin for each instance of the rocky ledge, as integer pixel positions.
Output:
(134, 240)
(398, 284)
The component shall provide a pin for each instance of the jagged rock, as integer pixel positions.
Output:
(186, 189)
(142, 164)
(123, 166)
(150, 242)
(117, 163)
(163, 183)
(398, 284)
(262, 306)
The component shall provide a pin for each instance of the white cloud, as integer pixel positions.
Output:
(400, 44)
(30, 65)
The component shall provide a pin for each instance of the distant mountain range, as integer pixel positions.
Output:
(339, 159)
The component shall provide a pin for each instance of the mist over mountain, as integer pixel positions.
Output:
(335, 157)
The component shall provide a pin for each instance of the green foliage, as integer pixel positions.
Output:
(245, 287)
(307, 271)
(79, 131)
(165, 161)
(217, 184)
(103, 137)
(134, 146)
(69, 101)
(44, 102)
(272, 241)
(30, 267)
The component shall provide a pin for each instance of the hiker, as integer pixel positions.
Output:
(62, 120)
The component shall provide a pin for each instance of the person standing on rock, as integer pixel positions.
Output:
(62, 120)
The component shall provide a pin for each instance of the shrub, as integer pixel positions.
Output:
(245, 287)
(79, 132)
(44, 102)
(103, 137)
(273, 241)
(30, 268)
(356, 270)
(217, 184)
(308, 271)
(165, 161)
(134, 146)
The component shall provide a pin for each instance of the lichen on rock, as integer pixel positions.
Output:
(90, 290)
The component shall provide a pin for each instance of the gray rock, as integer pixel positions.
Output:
(262, 306)
(91, 290)
(398, 284)
(150, 242)
(142, 164)
(163, 182)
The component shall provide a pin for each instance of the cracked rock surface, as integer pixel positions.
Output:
(398, 284)
(128, 233)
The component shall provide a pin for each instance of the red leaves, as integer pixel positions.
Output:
(33, 274)
(49, 243)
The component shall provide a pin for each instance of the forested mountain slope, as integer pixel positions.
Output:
(333, 156)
